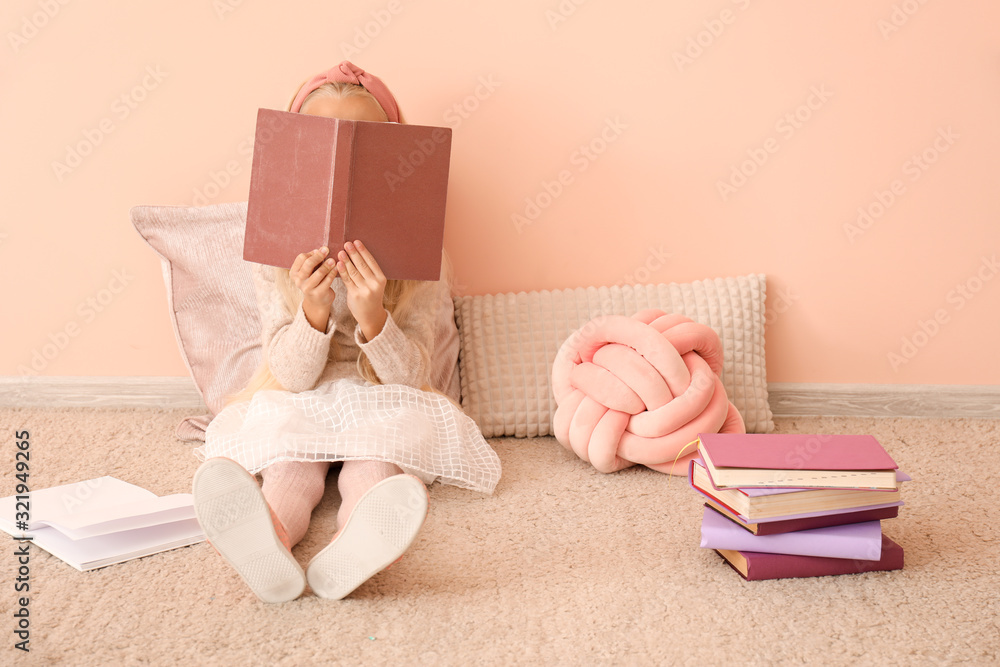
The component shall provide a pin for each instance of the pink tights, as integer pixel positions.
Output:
(294, 488)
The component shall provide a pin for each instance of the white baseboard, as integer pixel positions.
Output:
(100, 392)
(787, 399)
(792, 399)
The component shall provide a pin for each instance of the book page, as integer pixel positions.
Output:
(61, 502)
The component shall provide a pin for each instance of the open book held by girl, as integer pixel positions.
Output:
(359, 374)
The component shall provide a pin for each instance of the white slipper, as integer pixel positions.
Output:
(381, 527)
(238, 523)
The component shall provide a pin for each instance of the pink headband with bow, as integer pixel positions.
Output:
(346, 72)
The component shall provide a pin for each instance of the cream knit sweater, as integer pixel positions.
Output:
(423, 350)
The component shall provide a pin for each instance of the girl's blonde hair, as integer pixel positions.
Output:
(397, 300)
(338, 90)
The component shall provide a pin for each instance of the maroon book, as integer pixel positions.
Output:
(806, 523)
(318, 181)
(755, 566)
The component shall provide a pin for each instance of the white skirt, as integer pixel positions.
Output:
(423, 433)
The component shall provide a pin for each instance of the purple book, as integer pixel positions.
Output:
(859, 541)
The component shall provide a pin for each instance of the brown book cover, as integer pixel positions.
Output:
(318, 181)
(755, 566)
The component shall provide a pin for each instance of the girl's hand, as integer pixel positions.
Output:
(365, 284)
(314, 282)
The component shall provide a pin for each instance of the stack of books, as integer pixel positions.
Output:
(789, 505)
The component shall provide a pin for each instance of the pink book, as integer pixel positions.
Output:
(754, 565)
(855, 540)
(796, 460)
(318, 181)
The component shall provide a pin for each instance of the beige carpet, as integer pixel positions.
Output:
(562, 565)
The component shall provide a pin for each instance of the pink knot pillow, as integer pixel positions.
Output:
(637, 390)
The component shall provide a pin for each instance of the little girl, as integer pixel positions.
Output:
(356, 370)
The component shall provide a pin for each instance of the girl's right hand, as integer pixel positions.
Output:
(314, 277)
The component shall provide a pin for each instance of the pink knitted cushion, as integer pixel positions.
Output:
(638, 390)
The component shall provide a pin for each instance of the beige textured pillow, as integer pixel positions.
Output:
(509, 342)
(210, 293)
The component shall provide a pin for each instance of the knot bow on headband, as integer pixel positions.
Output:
(347, 72)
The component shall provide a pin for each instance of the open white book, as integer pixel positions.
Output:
(104, 521)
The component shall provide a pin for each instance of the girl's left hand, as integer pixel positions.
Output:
(365, 285)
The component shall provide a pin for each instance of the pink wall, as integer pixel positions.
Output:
(890, 106)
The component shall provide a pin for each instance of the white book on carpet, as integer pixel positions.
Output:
(102, 521)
